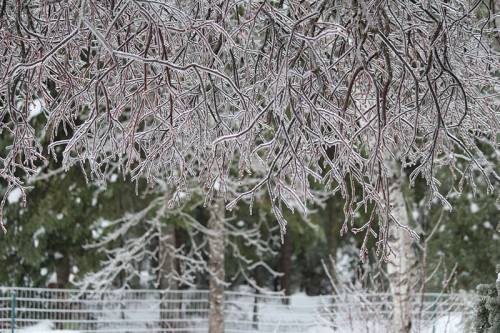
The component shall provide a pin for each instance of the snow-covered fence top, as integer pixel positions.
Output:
(187, 310)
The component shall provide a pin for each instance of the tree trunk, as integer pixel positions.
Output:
(166, 259)
(180, 236)
(216, 240)
(286, 265)
(63, 271)
(333, 224)
(259, 282)
(169, 313)
(401, 268)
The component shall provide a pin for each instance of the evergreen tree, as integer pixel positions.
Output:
(487, 317)
(47, 235)
(464, 238)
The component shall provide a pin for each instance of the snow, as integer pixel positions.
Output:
(344, 262)
(100, 225)
(14, 195)
(145, 277)
(487, 225)
(180, 194)
(52, 279)
(447, 324)
(44, 327)
(104, 223)
(35, 109)
(40, 232)
(113, 178)
(217, 185)
(95, 234)
(319, 329)
(474, 208)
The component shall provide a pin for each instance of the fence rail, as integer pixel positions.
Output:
(187, 311)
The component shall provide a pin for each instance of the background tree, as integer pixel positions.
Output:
(487, 316)
(51, 230)
(455, 240)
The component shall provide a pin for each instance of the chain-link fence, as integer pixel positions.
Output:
(187, 311)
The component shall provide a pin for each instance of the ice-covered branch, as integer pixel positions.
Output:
(200, 92)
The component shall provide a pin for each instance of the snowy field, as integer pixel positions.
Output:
(449, 324)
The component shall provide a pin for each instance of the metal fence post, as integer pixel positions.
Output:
(13, 313)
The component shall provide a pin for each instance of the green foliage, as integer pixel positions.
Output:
(49, 234)
(487, 308)
(49, 231)
(466, 237)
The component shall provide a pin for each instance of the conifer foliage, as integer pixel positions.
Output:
(487, 319)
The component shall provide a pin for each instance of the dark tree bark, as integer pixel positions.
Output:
(63, 271)
(169, 310)
(286, 265)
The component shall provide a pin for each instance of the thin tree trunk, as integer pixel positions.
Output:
(259, 282)
(333, 224)
(166, 259)
(169, 310)
(63, 271)
(255, 316)
(402, 268)
(286, 266)
(180, 236)
(216, 240)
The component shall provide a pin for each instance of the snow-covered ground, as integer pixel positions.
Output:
(449, 324)
(43, 327)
